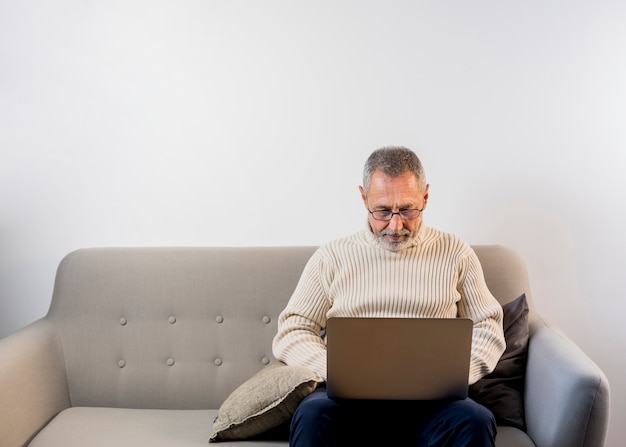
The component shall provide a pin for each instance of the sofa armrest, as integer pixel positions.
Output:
(33, 384)
(567, 395)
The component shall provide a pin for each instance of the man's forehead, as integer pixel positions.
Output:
(384, 184)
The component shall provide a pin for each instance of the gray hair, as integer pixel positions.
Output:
(393, 161)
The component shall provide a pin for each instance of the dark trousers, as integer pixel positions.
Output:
(321, 421)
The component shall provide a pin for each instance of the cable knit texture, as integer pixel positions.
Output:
(439, 277)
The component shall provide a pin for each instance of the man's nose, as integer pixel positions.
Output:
(395, 224)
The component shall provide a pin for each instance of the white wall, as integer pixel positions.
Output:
(247, 123)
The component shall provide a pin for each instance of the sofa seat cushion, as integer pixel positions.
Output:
(512, 437)
(122, 427)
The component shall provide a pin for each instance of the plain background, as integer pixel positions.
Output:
(244, 122)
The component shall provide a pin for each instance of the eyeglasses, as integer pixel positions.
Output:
(386, 215)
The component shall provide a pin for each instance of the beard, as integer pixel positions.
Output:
(396, 240)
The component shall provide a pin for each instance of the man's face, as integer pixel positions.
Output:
(395, 194)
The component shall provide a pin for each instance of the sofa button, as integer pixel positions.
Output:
(170, 362)
(217, 362)
(265, 361)
(266, 319)
(121, 363)
(171, 319)
(219, 319)
(123, 321)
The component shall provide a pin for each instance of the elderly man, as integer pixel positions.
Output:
(396, 267)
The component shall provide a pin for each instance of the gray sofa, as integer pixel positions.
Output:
(141, 346)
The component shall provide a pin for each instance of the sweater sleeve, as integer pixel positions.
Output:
(299, 339)
(478, 304)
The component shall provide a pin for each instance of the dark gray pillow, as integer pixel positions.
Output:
(502, 391)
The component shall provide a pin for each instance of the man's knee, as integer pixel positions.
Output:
(315, 407)
(461, 423)
(476, 412)
(313, 421)
(473, 414)
(478, 424)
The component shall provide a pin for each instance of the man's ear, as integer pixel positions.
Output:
(363, 196)
(426, 195)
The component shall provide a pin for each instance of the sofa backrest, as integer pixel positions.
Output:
(182, 327)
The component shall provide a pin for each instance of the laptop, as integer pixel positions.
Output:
(398, 358)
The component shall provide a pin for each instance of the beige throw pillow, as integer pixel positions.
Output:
(263, 402)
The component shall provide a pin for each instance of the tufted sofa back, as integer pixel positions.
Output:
(172, 328)
(180, 328)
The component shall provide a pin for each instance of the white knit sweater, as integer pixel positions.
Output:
(440, 276)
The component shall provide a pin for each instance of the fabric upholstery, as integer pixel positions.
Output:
(122, 427)
(157, 328)
(147, 343)
(32, 361)
(564, 388)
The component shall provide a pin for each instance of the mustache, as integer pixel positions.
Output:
(403, 232)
